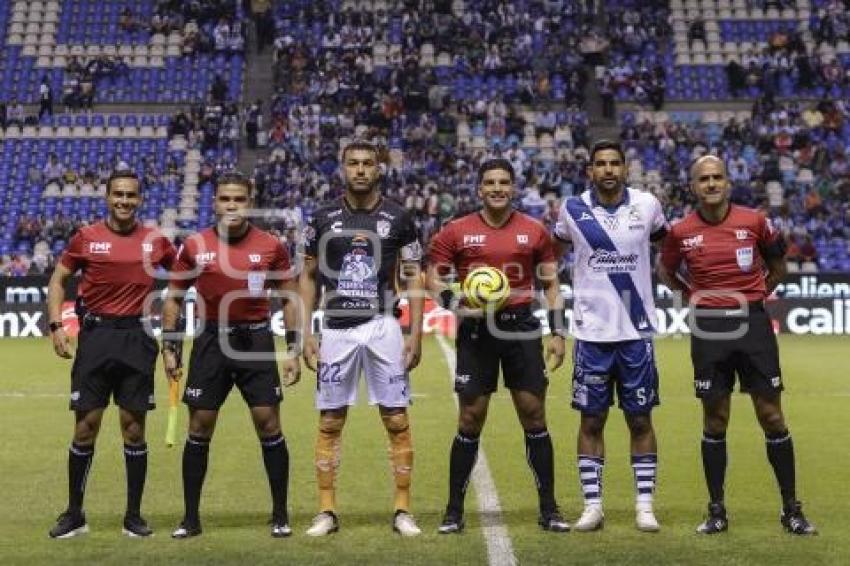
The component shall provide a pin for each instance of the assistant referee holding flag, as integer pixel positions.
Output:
(118, 259)
(232, 265)
(733, 260)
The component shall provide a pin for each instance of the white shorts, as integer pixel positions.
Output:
(377, 349)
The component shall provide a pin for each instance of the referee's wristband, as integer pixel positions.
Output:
(293, 339)
(557, 322)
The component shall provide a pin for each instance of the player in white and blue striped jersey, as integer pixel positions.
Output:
(610, 227)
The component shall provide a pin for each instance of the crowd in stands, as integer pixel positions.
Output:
(789, 159)
(635, 30)
(438, 116)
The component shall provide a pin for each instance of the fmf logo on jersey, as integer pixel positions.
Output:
(522, 238)
(100, 247)
(741, 234)
(204, 258)
(745, 258)
(474, 239)
(694, 242)
(255, 258)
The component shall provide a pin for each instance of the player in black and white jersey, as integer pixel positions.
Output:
(356, 249)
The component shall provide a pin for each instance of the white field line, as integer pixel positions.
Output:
(500, 551)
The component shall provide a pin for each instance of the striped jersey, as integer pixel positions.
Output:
(612, 273)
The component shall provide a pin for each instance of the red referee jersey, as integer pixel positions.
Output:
(727, 257)
(231, 278)
(516, 248)
(118, 270)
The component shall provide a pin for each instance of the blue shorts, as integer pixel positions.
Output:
(597, 366)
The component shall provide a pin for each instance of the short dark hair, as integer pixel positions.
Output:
(603, 144)
(498, 163)
(235, 178)
(122, 174)
(359, 144)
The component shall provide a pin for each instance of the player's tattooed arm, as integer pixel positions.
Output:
(555, 347)
(172, 346)
(307, 294)
(411, 277)
(55, 299)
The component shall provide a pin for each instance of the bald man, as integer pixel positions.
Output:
(734, 259)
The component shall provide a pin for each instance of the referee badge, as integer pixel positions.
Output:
(745, 258)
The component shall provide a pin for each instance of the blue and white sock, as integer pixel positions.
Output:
(645, 467)
(590, 475)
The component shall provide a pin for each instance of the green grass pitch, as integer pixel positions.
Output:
(37, 426)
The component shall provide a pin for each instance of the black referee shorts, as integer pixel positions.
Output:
(213, 373)
(480, 354)
(753, 357)
(114, 359)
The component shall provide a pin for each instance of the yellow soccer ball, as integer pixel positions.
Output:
(486, 288)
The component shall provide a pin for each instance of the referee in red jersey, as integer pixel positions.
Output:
(115, 357)
(232, 265)
(732, 259)
(502, 237)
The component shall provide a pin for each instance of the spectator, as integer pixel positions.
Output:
(45, 98)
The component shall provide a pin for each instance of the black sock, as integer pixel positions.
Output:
(276, 460)
(463, 456)
(714, 464)
(195, 456)
(780, 453)
(136, 464)
(79, 463)
(539, 453)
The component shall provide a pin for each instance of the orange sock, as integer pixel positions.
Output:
(401, 457)
(327, 461)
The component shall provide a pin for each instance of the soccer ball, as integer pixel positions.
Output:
(486, 288)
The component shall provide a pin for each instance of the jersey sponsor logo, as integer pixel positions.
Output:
(358, 276)
(522, 239)
(337, 226)
(462, 379)
(147, 248)
(585, 217)
(741, 234)
(75, 395)
(605, 261)
(205, 258)
(100, 247)
(634, 214)
(335, 213)
(255, 258)
(776, 381)
(194, 392)
(383, 228)
(693, 242)
(474, 240)
(702, 384)
(744, 256)
(386, 215)
(309, 233)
